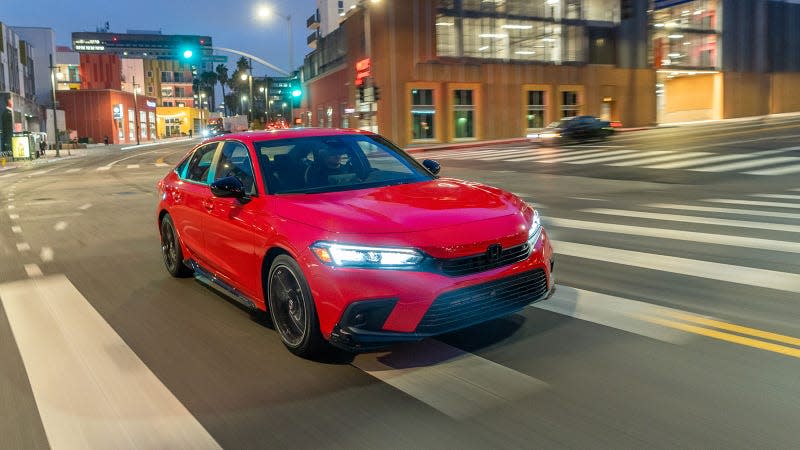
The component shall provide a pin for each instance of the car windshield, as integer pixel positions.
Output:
(561, 123)
(335, 163)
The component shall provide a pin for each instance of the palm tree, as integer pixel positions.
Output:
(222, 78)
(207, 82)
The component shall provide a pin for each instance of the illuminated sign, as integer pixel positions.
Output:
(363, 71)
(20, 146)
(151, 104)
(117, 111)
(88, 45)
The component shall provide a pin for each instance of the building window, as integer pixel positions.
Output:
(569, 104)
(143, 124)
(686, 35)
(166, 77)
(168, 103)
(131, 126)
(464, 114)
(340, 7)
(152, 123)
(149, 89)
(535, 112)
(320, 117)
(423, 111)
(149, 74)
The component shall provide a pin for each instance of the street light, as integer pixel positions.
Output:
(244, 97)
(264, 12)
(244, 77)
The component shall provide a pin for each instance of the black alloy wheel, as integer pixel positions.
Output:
(292, 308)
(171, 250)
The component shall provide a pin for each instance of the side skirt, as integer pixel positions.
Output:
(206, 277)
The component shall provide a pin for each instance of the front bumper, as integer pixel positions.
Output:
(355, 339)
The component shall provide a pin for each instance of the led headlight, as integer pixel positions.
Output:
(549, 135)
(344, 255)
(535, 231)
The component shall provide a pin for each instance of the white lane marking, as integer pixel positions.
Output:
(104, 168)
(748, 164)
(73, 170)
(60, 226)
(597, 146)
(8, 175)
(42, 172)
(12, 207)
(521, 194)
(591, 199)
(614, 312)
(91, 389)
(778, 196)
(678, 235)
(714, 159)
(46, 254)
(743, 212)
(13, 216)
(133, 166)
(563, 159)
(752, 203)
(777, 170)
(453, 381)
(749, 276)
(85, 206)
(132, 147)
(695, 219)
(483, 154)
(554, 153)
(23, 246)
(111, 164)
(16, 229)
(162, 165)
(32, 270)
(618, 158)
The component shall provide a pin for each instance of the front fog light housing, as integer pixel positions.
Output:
(535, 232)
(345, 255)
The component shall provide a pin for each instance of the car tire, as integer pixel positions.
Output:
(292, 308)
(171, 250)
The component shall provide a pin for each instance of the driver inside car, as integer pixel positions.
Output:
(330, 167)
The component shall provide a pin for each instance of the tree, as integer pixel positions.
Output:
(222, 78)
(207, 82)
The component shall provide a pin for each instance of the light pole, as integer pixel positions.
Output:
(136, 110)
(243, 98)
(55, 111)
(264, 12)
(261, 89)
(250, 106)
(202, 113)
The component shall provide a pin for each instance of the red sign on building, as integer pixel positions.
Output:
(363, 71)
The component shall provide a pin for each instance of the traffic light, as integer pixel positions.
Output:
(189, 54)
(361, 94)
(627, 9)
(376, 93)
(296, 92)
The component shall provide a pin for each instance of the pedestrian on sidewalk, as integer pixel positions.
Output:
(42, 147)
(105, 140)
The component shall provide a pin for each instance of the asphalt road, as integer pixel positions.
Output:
(676, 322)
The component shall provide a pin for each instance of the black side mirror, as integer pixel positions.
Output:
(432, 165)
(229, 187)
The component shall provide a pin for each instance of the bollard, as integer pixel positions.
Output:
(3, 161)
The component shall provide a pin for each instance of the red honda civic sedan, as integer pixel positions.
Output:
(347, 240)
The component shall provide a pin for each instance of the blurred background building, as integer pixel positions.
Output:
(424, 71)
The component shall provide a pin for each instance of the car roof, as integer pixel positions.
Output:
(287, 133)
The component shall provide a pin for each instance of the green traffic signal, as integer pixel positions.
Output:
(297, 93)
(187, 54)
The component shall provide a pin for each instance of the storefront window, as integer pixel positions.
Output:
(423, 111)
(131, 126)
(143, 123)
(569, 104)
(152, 123)
(464, 114)
(535, 112)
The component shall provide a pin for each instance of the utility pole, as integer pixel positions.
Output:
(55, 111)
(250, 105)
(135, 110)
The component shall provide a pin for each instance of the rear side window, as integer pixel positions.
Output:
(200, 163)
(234, 161)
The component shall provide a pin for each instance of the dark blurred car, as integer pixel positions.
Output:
(573, 130)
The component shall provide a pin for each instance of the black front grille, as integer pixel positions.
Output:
(479, 263)
(474, 304)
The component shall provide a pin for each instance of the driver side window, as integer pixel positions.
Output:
(234, 161)
(200, 164)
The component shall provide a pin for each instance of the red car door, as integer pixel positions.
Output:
(189, 196)
(229, 223)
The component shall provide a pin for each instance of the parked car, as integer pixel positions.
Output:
(576, 129)
(347, 240)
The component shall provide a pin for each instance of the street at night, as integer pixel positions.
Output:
(674, 323)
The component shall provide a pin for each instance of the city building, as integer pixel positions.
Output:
(43, 41)
(327, 17)
(164, 67)
(68, 66)
(19, 111)
(432, 71)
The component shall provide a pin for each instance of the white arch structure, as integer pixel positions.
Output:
(254, 58)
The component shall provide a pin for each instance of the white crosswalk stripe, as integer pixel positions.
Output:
(619, 156)
(779, 196)
(741, 212)
(695, 219)
(752, 203)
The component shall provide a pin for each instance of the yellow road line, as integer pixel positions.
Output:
(736, 328)
(160, 160)
(741, 340)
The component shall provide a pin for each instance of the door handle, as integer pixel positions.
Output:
(209, 205)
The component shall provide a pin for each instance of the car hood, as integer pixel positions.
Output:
(405, 208)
